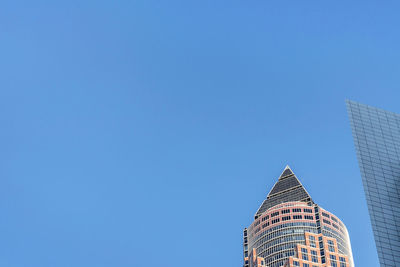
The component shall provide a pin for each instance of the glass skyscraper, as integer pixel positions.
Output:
(376, 134)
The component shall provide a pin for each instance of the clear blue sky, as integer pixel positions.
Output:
(147, 133)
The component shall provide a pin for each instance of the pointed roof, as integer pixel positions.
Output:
(286, 172)
(287, 188)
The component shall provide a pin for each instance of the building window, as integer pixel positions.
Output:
(274, 214)
(331, 247)
(308, 217)
(297, 217)
(326, 221)
(275, 220)
(265, 218)
(308, 210)
(314, 256)
(285, 218)
(306, 265)
(296, 263)
(265, 225)
(325, 215)
(296, 210)
(285, 211)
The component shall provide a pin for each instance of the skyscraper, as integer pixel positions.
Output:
(289, 228)
(376, 135)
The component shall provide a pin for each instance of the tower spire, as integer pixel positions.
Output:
(287, 188)
(286, 172)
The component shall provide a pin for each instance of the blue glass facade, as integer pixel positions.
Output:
(376, 136)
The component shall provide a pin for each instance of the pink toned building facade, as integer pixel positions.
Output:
(285, 221)
(317, 248)
(254, 260)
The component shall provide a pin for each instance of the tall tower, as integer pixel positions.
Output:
(286, 222)
(376, 135)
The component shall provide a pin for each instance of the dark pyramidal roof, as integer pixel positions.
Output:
(288, 188)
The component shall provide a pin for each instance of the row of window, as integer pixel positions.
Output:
(369, 139)
(308, 226)
(333, 264)
(381, 136)
(275, 220)
(304, 253)
(333, 258)
(333, 224)
(296, 263)
(326, 221)
(286, 218)
(326, 215)
(388, 166)
(274, 214)
(373, 121)
(286, 211)
(278, 256)
(377, 143)
(299, 238)
(332, 217)
(265, 225)
(280, 248)
(267, 240)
